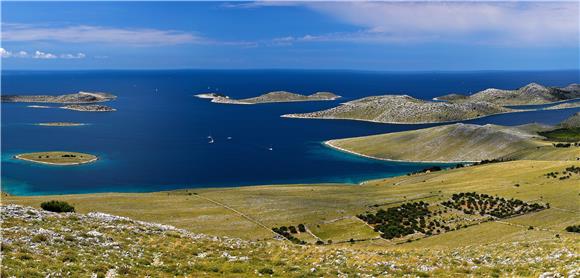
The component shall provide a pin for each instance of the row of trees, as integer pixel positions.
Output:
(400, 221)
(288, 231)
(472, 203)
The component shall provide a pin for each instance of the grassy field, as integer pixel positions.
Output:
(328, 209)
(58, 158)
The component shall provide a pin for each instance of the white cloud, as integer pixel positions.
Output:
(97, 34)
(39, 55)
(503, 23)
(4, 53)
(43, 55)
(73, 56)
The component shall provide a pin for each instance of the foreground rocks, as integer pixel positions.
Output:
(43, 244)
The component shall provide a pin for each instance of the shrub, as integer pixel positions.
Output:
(57, 206)
(573, 229)
(266, 270)
(39, 238)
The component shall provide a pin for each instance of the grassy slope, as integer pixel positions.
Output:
(457, 142)
(275, 206)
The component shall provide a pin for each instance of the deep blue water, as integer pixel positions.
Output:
(157, 139)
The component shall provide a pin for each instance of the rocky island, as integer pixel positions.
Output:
(404, 109)
(57, 158)
(530, 94)
(80, 97)
(60, 124)
(89, 108)
(278, 96)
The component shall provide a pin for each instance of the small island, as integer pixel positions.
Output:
(80, 97)
(89, 108)
(58, 158)
(272, 97)
(60, 124)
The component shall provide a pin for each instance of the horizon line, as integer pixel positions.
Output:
(287, 69)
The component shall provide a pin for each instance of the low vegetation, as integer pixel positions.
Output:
(563, 134)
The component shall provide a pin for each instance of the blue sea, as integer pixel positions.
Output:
(158, 138)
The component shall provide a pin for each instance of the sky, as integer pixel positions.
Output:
(390, 36)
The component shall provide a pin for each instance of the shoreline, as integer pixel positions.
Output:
(18, 156)
(329, 144)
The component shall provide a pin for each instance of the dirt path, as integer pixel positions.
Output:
(243, 215)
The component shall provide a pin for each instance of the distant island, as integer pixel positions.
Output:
(530, 94)
(278, 96)
(57, 158)
(404, 109)
(59, 124)
(80, 97)
(89, 108)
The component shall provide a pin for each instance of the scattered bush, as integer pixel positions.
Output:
(266, 270)
(57, 206)
(573, 229)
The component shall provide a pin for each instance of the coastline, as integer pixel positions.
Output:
(330, 145)
(18, 156)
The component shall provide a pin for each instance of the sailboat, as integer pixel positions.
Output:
(210, 139)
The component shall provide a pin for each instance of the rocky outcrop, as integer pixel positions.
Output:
(530, 94)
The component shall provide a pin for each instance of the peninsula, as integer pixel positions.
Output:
(530, 94)
(89, 108)
(60, 124)
(80, 97)
(278, 96)
(57, 158)
(448, 143)
(404, 109)
(470, 143)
